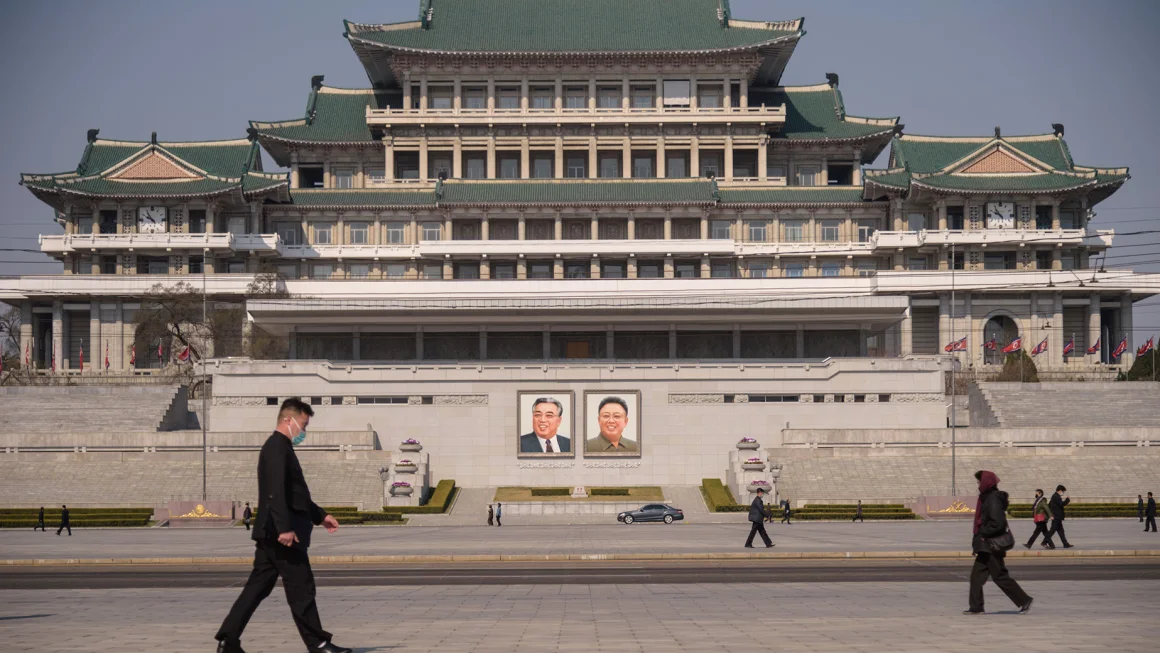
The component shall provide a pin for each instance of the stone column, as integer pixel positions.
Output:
(592, 158)
(941, 208)
(491, 155)
(558, 168)
(485, 268)
(668, 226)
(706, 271)
(558, 269)
(490, 95)
(293, 178)
(1055, 215)
(58, 333)
(632, 270)
(423, 104)
(95, 337)
(594, 232)
(744, 92)
(626, 158)
(457, 159)
(625, 94)
(522, 268)
(407, 103)
(907, 344)
(525, 158)
(762, 155)
(484, 227)
(669, 271)
(704, 227)
(457, 94)
(631, 225)
(592, 94)
(524, 94)
(896, 213)
(521, 228)
(25, 331)
(594, 268)
(662, 173)
(1057, 335)
(558, 228)
(117, 359)
(857, 180)
(423, 157)
(728, 171)
(388, 158)
(1094, 328)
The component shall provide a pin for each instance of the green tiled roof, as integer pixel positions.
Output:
(259, 181)
(926, 154)
(570, 26)
(1046, 181)
(333, 115)
(221, 158)
(577, 192)
(363, 197)
(896, 177)
(113, 188)
(793, 195)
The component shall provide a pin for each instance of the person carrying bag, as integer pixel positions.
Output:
(991, 540)
(1039, 515)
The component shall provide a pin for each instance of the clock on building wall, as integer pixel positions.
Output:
(151, 220)
(1000, 215)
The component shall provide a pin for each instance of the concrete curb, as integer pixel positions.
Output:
(584, 557)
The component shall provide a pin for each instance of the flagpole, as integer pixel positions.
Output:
(954, 364)
(204, 411)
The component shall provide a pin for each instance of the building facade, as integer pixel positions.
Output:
(546, 186)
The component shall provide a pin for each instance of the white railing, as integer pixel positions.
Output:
(349, 251)
(1091, 238)
(167, 241)
(550, 248)
(402, 115)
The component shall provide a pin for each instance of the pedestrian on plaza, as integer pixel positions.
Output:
(1140, 507)
(757, 519)
(247, 514)
(1150, 514)
(490, 515)
(786, 513)
(1058, 501)
(498, 514)
(64, 521)
(1039, 515)
(990, 542)
(286, 517)
(858, 514)
(769, 512)
(40, 521)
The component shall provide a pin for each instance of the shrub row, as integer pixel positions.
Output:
(808, 516)
(550, 491)
(609, 492)
(440, 500)
(866, 507)
(75, 512)
(718, 497)
(6, 522)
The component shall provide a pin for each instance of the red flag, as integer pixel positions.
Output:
(27, 362)
(1040, 348)
(1014, 346)
(82, 358)
(184, 355)
(990, 344)
(958, 345)
(133, 354)
(1095, 348)
(106, 355)
(160, 353)
(1121, 348)
(1144, 348)
(1069, 347)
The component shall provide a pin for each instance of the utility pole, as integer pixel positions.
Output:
(204, 380)
(954, 364)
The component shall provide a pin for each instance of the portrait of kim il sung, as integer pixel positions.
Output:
(545, 424)
(612, 423)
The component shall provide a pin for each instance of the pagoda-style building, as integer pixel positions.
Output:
(567, 181)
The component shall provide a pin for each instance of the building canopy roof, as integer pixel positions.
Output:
(953, 165)
(335, 116)
(161, 170)
(560, 27)
(818, 113)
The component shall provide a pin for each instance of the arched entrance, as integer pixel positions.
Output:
(1002, 329)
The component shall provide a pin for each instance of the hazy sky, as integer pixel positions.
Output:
(201, 70)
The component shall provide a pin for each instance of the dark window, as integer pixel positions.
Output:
(108, 222)
(687, 269)
(316, 401)
(271, 401)
(580, 270)
(382, 400)
(336, 401)
(540, 270)
(612, 270)
(819, 399)
(955, 218)
(859, 399)
(1043, 260)
(406, 165)
(467, 270)
(650, 269)
(108, 265)
(197, 221)
(503, 270)
(840, 174)
(839, 399)
(310, 176)
(1043, 217)
(773, 399)
(883, 399)
(196, 264)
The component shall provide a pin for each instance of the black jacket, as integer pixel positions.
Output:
(64, 516)
(995, 502)
(285, 499)
(1150, 511)
(1056, 506)
(757, 510)
(247, 513)
(41, 515)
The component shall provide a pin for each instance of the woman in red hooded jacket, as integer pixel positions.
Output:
(991, 524)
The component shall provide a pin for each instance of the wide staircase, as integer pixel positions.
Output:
(101, 409)
(1038, 405)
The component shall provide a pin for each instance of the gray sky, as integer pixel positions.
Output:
(201, 70)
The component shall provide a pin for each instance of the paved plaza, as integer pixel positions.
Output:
(517, 539)
(1069, 616)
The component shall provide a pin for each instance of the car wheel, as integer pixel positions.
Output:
(668, 519)
(628, 519)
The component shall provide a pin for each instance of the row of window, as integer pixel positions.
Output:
(542, 97)
(1068, 219)
(609, 165)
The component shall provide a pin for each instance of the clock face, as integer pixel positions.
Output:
(1001, 215)
(151, 220)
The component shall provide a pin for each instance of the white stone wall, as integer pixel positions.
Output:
(687, 429)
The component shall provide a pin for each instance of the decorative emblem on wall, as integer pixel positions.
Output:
(956, 507)
(199, 512)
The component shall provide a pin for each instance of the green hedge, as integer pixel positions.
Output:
(74, 512)
(6, 522)
(1096, 509)
(609, 492)
(811, 516)
(440, 500)
(550, 491)
(718, 497)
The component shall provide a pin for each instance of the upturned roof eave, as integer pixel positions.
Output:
(917, 183)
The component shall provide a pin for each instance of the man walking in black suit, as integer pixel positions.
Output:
(757, 518)
(1140, 507)
(64, 521)
(247, 515)
(40, 521)
(286, 516)
(1150, 514)
(785, 512)
(858, 514)
(1058, 501)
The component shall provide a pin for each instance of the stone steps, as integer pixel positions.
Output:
(100, 409)
(1074, 404)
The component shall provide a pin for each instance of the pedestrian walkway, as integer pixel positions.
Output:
(671, 618)
(470, 509)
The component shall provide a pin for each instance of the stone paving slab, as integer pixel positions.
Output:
(1069, 616)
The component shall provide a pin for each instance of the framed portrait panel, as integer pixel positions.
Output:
(546, 424)
(612, 421)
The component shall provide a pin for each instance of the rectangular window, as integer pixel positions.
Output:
(794, 231)
(236, 225)
(360, 270)
(290, 234)
(999, 261)
(440, 97)
(322, 235)
(288, 271)
(1043, 260)
(474, 98)
(466, 270)
(642, 167)
(507, 98)
(608, 97)
(395, 233)
(576, 97)
(710, 165)
(917, 263)
(758, 270)
(643, 97)
(310, 176)
(807, 175)
(775, 172)
(612, 270)
(709, 96)
(343, 178)
(721, 270)
(1043, 217)
(542, 166)
(196, 221)
(540, 270)
(678, 167)
(577, 166)
(432, 230)
(503, 270)
(831, 269)
(577, 270)
(395, 270)
(1069, 220)
(234, 266)
(85, 226)
(196, 265)
(359, 232)
(955, 218)
(866, 268)
(475, 166)
(509, 166)
(432, 270)
(866, 229)
(830, 231)
(322, 271)
(755, 231)
(609, 166)
(916, 222)
(677, 92)
(687, 270)
(1070, 261)
(543, 98)
(649, 269)
(109, 265)
(720, 229)
(839, 174)
(795, 270)
(375, 176)
(440, 165)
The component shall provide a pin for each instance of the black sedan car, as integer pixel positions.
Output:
(652, 512)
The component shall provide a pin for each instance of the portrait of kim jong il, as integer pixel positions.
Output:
(544, 421)
(612, 421)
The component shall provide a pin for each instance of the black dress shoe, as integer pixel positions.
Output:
(331, 647)
(1026, 545)
(749, 546)
(227, 647)
(1026, 607)
(1067, 546)
(770, 546)
(973, 612)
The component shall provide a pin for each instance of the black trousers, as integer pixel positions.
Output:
(497, 521)
(993, 566)
(785, 519)
(1140, 513)
(246, 522)
(857, 518)
(1152, 521)
(271, 561)
(1057, 527)
(40, 525)
(758, 527)
(1040, 527)
(65, 527)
